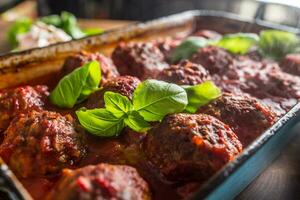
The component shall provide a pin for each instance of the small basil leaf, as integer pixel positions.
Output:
(20, 26)
(154, 99)
(201, 94)
(92, 31)
(53, 20)
(276, 44)
(187, 48)
(70, 26)
(136, 122)
(117, 104)
(77, 86)
(100, 122)
(239, 43)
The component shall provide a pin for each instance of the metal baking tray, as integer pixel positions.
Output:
(17, 68)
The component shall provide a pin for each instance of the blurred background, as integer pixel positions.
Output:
(101, 15)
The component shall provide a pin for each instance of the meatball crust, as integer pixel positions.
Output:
(216, 60)
(245, 115)
(291, 64)
(191, 146)
(143, 60)
(108, 69)
(19, 100)
(41, 143)
(102, 181)
(185, 73)
(125, 85)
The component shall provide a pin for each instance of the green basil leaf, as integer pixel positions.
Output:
(239, 43)
(117, 104)
(201, 94)
(92, 31)
(70, 26)
(276, 44)
(20, 26)
(53, 20)
(136, 122)
(100, 122)
(154, 99)
(187, 48)
(77, 86)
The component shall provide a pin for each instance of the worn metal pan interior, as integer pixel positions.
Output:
(16, 68)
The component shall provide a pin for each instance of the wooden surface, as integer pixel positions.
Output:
(281, 180)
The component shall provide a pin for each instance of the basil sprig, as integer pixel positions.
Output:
(273, 44)
(152, 101)
(77, 86)
(276, 44)
(201, 94)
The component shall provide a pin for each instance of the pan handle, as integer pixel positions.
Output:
(291, 4)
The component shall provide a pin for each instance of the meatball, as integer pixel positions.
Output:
(143, 60)
(191, 146)
(215, 59)
(185, 73)
(107, 67)
(125, 85)
(167, 45)
(18, 100)
(102, 181)
(41, 143)
(245, 115)
(291, 64)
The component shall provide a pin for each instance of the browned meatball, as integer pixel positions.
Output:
(167, 45)
(143, 60)
(107, 67)
(291, 64)
(102, 181)
(41, 143)
(125, 85)
(245, 115)
(185, 73)
(18, 100)
(216, 60)
(191, 146)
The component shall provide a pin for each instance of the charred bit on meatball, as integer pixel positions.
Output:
(125, 85)
(188, 147)
(20, 100)
(185, 73)
(143, 60)
(245, 115)
(38, 144)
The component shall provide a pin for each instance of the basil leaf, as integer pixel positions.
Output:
(65, 21)
(92, 31)
(154, 99)
(136, 122)
(117, 104)
(100, 122)
(187, 48)
(77, 86)
(201, 94)
(276, 44)
(20, 26)
(239, 43)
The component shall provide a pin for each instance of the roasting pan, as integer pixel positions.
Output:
(21, 67)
